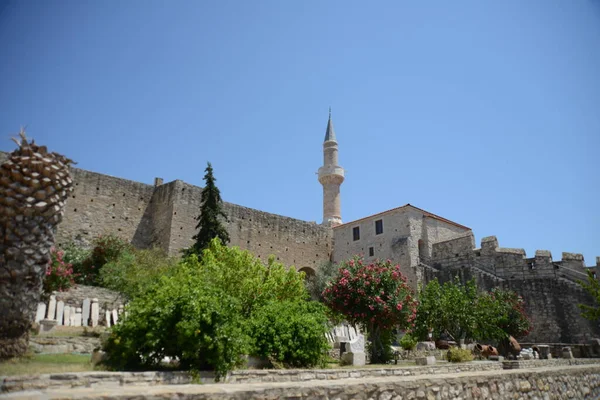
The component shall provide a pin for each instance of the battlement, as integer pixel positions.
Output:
(508, 263)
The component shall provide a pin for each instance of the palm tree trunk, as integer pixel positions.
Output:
(34, 186)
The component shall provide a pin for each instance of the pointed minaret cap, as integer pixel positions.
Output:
(330, 134)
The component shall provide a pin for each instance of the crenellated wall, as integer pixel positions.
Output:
(549, 288)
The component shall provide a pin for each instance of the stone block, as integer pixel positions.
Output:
(67, 316)
(496, 358)
(51, 308)
(85, 312)
(429, 360)
(566, 353)
(357, 359)
(95, 312)
(47, 325)
(77, 317)
(41, 312)
(425, 346)
(543, 351)
(115, 317)
(107, 318)
(60, 311)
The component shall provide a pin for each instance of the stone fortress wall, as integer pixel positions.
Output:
(549, 288)
(163, 215)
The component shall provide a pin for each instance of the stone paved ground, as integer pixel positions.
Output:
(573, 382)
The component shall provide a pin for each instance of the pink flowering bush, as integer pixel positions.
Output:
(374, 296)
(59, 274)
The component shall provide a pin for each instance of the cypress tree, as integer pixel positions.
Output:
(211, 215)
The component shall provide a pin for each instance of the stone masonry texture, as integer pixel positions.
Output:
(576, 382)
(164, 216)
(549, 288)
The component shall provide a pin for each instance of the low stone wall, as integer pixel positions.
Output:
(151, 378)
(574, 382)
(92, 379)
(555, 362)
(53, 345)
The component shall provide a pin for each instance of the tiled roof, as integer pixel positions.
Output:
(425, 214)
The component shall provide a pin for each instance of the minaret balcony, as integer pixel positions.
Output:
(331, 174)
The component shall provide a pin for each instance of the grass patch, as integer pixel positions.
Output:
(46, 364)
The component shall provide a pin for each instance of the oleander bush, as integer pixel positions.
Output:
(376, 297)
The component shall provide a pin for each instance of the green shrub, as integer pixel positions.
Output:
(179, 316)
(291, 333)
(408, 342)
(134, 270)
(456, 354)
(243, 276)
(209, 313)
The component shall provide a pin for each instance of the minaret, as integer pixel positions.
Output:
(331, 176)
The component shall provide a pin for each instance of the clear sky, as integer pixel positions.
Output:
(484, 112)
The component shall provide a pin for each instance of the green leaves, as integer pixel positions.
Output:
(209, 313)
(464, 313)
(592, 286)
(291, 332)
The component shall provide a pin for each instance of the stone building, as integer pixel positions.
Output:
(425, 245)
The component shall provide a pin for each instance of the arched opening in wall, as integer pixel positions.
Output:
(422, 251)
(309, 273)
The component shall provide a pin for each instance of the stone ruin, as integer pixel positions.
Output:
(34, 185)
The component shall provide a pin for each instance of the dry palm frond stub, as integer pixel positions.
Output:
(34, 186)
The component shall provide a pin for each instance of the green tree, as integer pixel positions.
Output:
(463, 312)
(210, 224)
(244, 276)
(448, 308)
(317, 283)
(592, 286)
(135, 270)
(208, 313)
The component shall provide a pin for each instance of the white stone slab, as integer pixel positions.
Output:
(357, 345)
(107, 318)
(60, 312)
(77, 319)
(67, 316)
(52, 308)
(95, 312)
(85, 312)
(72, 317)
(115, 317)
(41, 312)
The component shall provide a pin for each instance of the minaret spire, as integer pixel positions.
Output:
(331, 176)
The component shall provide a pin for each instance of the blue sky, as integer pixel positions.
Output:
(483, 112)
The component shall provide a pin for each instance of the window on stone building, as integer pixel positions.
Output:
(356, 233)
(371, 252)
(379, 227)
